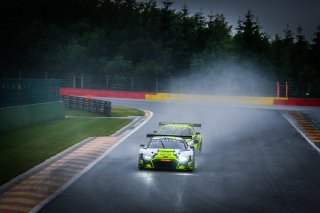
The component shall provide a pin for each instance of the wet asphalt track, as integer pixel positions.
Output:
(253, 160)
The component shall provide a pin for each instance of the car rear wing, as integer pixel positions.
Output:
(162, 135)
(189, 124)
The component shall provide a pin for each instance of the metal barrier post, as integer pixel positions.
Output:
(278, 89)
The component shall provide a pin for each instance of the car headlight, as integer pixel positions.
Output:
(182, 158)
(147, 157)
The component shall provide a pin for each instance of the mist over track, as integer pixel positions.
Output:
(253, 160)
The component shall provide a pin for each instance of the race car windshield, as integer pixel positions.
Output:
(167, 143)
(169, 130)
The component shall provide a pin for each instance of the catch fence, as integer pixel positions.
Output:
(203, 85)
(15, 92)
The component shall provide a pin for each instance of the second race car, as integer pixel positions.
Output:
(186, 129)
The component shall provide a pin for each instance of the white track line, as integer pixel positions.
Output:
(66, 185)
(301, 133)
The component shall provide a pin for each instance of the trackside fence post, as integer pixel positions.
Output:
(81, 81)
(157, 85)
(131, 84)
(107, 82)
(74, 80)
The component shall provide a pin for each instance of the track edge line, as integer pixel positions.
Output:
(72, 180)
(301, 133)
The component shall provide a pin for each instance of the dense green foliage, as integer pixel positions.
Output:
(133, 38)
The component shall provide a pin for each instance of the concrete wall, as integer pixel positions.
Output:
(20, 116)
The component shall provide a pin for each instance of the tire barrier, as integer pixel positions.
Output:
(98, 107)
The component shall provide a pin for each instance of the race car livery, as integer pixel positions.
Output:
(166, 152)
(186, 129)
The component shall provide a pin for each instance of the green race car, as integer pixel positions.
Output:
(186, 129)
(166, 152)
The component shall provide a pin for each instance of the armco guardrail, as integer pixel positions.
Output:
(99, 107)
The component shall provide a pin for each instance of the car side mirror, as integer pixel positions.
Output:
(192, 147)
(141, 145)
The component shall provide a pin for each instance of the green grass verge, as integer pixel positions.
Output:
(116, 111)
(23, 148)
(119, 111)
(79, 113)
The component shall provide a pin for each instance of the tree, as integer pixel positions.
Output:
(278, 58)
(73, 58)
(218, 35)
(150, 17)
(168, 23)
(118, 66)
(199, 23)
(185, 38)
(167, 4)
(150, 68)
(315, 63)
(249, 41)
(315, 50)
(132, 38)
(300, 58)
